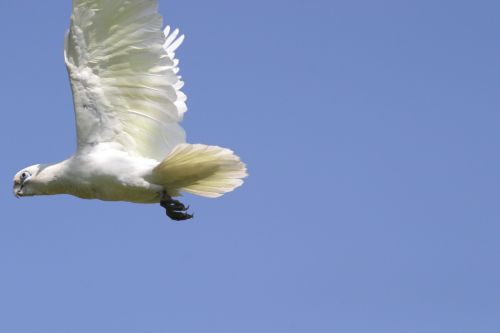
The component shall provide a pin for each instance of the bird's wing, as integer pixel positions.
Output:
(123, 75)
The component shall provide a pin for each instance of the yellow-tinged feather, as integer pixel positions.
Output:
(208, 171)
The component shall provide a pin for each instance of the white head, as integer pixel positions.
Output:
(25, 181)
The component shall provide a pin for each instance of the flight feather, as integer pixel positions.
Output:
(123, 75)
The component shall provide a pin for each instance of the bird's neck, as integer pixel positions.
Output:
(50, 179)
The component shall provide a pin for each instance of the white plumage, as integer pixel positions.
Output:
(128, 104)
(123, 76)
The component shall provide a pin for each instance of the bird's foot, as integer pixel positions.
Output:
(175, 209)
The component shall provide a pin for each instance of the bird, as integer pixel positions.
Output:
(128, 107)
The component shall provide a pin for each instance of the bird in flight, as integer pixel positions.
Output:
(128, 105)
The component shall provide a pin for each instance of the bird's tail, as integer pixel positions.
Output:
(208, 171)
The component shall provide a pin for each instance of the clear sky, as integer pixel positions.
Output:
(371, 134)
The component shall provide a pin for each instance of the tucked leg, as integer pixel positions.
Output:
(175, 209)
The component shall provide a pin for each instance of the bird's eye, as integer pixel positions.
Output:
(25, 175)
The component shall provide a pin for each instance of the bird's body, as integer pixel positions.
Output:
(103, 173)
(128, 106)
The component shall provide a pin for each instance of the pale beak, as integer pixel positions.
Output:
(17, 191)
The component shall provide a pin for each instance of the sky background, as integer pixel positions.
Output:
(371, 130)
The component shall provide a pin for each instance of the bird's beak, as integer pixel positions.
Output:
(18, 193)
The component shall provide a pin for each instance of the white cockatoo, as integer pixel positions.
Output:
(128, 104)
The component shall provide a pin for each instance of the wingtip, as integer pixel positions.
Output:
(166, 31)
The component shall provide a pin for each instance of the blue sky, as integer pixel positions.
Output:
(371, 134)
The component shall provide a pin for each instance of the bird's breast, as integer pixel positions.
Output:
(112, 176)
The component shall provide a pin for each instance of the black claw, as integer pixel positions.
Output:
(175, 205)
(179, 216)
(175, 209)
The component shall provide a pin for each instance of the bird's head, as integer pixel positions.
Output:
(24, 179)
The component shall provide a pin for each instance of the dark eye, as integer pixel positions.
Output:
(24, 175)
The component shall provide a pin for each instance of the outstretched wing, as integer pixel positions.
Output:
(123, 76)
